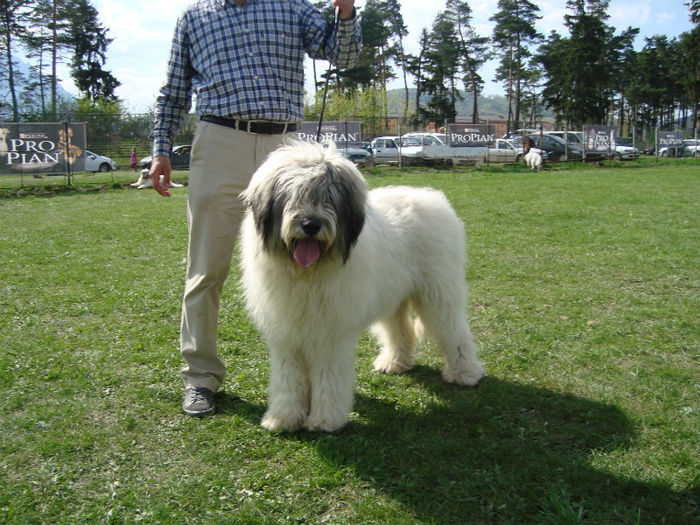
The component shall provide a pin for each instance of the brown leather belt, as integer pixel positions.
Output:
(254, 127)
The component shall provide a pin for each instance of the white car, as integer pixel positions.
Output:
(624, 150)
(427, 138)
(691, 148)
(95, 162)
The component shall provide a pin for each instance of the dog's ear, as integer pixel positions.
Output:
(351, 197)
(267, 206)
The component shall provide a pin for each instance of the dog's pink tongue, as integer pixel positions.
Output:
(307, 251)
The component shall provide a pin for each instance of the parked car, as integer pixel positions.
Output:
(504, 151)
(575, 138)
(624, 149)
(556, 148)
(179, 158)
(95, 162)
(385, 150)
(572, 137)
(360, 156)
(691, 148)
(427, 138)
(517, 144)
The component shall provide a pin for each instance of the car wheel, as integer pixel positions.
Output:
(519, 157)
(664, 153)
(105, 167)
(617, 156)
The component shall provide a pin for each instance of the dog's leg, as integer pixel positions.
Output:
(332, 378)
(462, 365)
(288, 390)
(448, 326)
(397, 336)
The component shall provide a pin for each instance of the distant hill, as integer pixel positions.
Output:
(489, 106)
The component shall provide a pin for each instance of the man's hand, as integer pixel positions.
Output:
(346, 7)
(161, 166)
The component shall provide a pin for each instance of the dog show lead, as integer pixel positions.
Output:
(244, 61)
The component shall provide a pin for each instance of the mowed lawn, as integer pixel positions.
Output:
(584, 300)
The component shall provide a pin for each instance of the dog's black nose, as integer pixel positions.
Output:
(310, 225)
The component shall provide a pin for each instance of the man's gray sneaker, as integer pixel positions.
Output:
(199, 401)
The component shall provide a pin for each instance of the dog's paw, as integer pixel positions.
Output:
(467, 377)
(389, 365)
(282, 422)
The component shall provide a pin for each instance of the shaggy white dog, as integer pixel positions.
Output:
(323, 259)
(533, 159)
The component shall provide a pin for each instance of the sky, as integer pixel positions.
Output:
(142, 29)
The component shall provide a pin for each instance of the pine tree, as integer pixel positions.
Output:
(472, 49)
(89, 43)
(441, 67)
(513, 33)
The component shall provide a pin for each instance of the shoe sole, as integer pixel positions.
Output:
(198, 413)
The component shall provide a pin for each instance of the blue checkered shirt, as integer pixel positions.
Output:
(246, 62)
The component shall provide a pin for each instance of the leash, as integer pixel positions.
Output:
(330, 33)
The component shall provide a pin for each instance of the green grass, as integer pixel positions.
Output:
(584, 300)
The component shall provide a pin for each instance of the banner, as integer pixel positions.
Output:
(42, 147)
(670, 139)
(470, 135)
(600, 139)
(340, 132)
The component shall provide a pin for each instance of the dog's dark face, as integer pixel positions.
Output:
(308, 204)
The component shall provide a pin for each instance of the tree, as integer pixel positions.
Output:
(472, 49)
(690, 62)
(440, 67)
(398, 32)
(513, 33)
(89, 43)
(580, 69)
(13, 18)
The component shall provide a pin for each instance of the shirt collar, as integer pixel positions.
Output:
(223, 3)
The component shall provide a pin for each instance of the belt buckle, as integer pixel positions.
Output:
(250, 125)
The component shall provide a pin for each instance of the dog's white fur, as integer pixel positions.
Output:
(533, 159)
(144, 181)
(393, 256)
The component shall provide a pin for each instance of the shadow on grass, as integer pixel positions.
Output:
(501, 453)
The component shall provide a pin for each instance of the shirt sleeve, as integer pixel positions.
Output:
(175, 98)
(340, 45)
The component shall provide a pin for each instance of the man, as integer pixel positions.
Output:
(243, 59)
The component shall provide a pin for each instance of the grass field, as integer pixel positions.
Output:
(584, 300)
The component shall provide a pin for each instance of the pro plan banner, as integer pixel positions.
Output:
(600, 139)
(470, 135)
(670, 139)
(42, 147)
(340, 132)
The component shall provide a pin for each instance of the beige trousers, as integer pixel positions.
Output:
(221, 165)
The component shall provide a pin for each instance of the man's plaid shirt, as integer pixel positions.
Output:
(246, 62)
